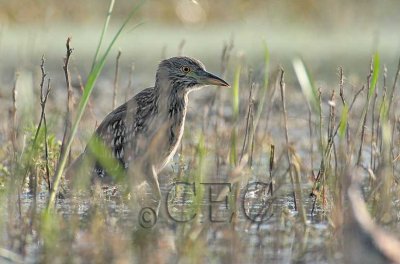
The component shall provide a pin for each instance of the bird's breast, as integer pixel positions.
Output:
(172, 135)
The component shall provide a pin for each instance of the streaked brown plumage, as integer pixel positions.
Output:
(143, 134)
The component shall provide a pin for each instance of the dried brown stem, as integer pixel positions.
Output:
(43, 78)
(310, 132)
(341, 84)
(355, 97)
(283, 98)
(68, 114)
(393, 117)
(365, 115)
(43, 103)
(13, 114)
(394, 86)
(373, 139)
(332, 132)
(13, 137)
(321, 139)
(381, 107)
(44, 95)
(271, 168)
(325, 160)
(248, 131)
(332, 116)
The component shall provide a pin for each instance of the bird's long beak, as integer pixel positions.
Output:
(210, 79)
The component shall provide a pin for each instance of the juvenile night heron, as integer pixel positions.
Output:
(143, 134)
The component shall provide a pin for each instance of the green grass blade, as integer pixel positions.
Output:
(235, 107)
(306, 84)
(105, 27)
(103, 155)
(375, 75)
(343, 121)
(235, 93)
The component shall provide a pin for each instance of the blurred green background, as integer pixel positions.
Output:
(326, 34)
(320, 31)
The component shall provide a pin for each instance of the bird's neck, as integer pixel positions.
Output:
(172, 106)
(177, 102)
(172, 100)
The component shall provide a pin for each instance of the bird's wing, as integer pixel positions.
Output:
(121, 125)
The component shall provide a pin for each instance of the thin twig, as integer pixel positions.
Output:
(332, 132)
(321, 138)
(13, 135)
(181, 46)
(271, 168)
(355, 97)
(394, 86)
(82, 87)
(393, 116)
(331, 136)
(68, 122)
(283, 96)
(252, 129)
(43, 103)
(31, 172)
(15, 164)
(114, 101)
(332, 115)
(44, 74)
(310, 132)
(379, 139)
(129, 87)
(247, 135)
(344, 103)
(341, 84)
(44, 94)
(365, 114)
(325, 159)
(373, 139)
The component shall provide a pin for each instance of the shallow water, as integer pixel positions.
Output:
(275, 237)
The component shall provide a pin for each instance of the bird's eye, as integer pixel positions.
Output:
(185, 69)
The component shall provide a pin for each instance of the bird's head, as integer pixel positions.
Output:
(186, 74)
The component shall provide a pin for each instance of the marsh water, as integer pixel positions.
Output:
(274, 237)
